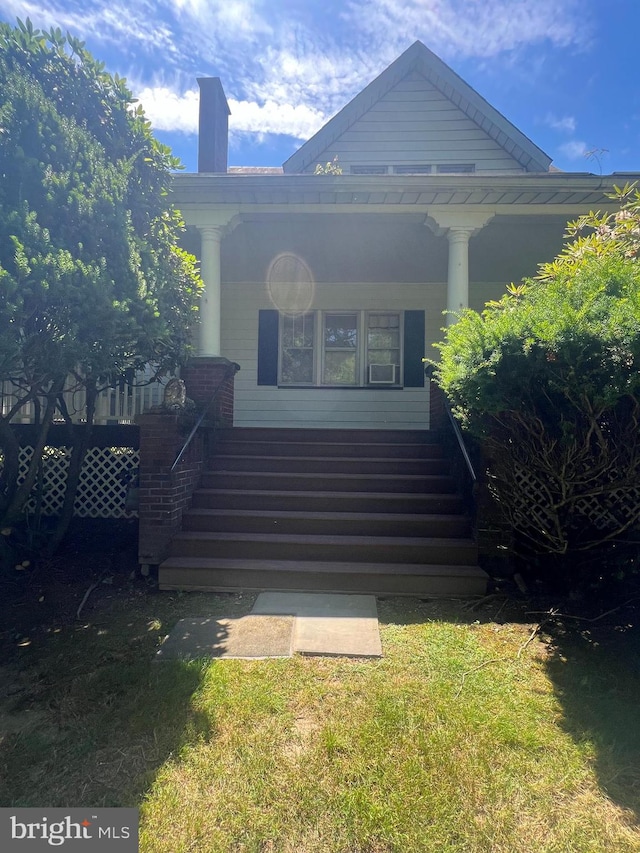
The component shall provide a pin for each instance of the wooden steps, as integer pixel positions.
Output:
(331, 481)
(337, 449)
(355, 549)
(227, 575)
(342, 523)
(353, 511)
(372, 502)
(360, 465)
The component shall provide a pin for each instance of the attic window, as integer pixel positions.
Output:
(417, 169)
(456, 168)
(369, 170)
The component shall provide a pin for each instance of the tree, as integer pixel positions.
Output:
(332, 167)
(548, 379)
(94, 284)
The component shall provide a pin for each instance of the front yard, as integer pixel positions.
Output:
(473, 733)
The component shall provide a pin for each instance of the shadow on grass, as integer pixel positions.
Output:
(89, 717)
(595, 671)
(497, 609)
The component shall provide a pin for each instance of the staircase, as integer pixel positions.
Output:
(373, 511)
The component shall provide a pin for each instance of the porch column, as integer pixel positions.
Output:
(458, 226)
(458, 272)
(209, 336)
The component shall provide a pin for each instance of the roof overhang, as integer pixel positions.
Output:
(199, 195)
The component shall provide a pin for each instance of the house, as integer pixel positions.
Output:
(328, 290)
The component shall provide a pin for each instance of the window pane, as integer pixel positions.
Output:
(384, 356)
(297, 331)
(384, 321)
(297, 366)
(456, 168)
(341, 331)
(339, 368)
(369, 170)
(383, 338)
(288, 331)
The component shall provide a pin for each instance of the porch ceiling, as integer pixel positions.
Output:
(383, 248)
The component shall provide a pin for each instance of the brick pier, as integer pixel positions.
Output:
(166, 494)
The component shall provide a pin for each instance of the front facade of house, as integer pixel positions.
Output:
(328, 290)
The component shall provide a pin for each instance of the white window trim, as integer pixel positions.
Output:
(362, 319)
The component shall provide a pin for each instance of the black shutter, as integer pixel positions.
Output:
(413, 349)
(268, 347)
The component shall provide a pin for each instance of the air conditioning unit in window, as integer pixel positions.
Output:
(382, 374)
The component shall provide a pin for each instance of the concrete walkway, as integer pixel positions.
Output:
(281, 624)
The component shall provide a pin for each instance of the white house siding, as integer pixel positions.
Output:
(414, 123)
(360, 408)
(482, 292)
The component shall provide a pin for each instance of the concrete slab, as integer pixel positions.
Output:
(327, 623)
(251, 636)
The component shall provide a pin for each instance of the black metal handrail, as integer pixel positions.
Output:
(460, 439)
(429, 371)
(231, 370)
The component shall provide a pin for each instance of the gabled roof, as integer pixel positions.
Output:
(418, 58)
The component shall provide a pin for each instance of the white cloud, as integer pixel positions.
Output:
(220, 35)
(301, 67)
(128, 26)
(566, 124)
(299, 121)
(575, 149)
(248, 36)
(287, 67)
(324, 79)
(479, 28)
(233, 16)
(169, 110)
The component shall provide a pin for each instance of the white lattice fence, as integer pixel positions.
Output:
(102, 489)
(604, 511)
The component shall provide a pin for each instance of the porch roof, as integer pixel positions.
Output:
(534, 192)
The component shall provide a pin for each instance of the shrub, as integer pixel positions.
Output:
(548, 379)
(94, 284)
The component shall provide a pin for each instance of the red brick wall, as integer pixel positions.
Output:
(203, 376)
(165, 494)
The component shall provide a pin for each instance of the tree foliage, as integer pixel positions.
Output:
(548, 378)
(332, 167)
(93, 282)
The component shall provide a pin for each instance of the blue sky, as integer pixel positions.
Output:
(564, 72)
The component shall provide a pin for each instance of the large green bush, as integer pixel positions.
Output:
(548, 379)
(93, 281)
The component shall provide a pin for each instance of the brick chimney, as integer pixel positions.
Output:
(213, 126)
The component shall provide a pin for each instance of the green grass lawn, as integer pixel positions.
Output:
(469, 735)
